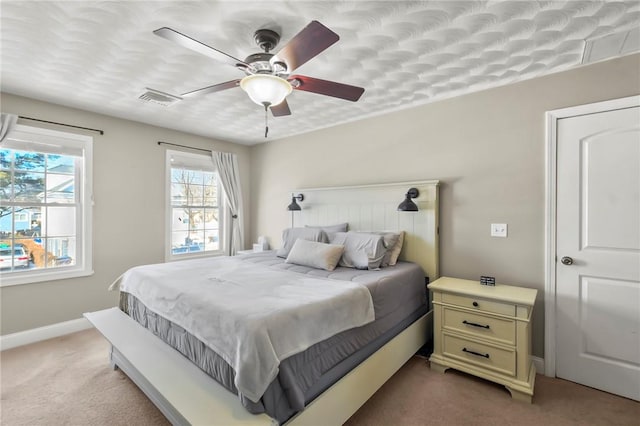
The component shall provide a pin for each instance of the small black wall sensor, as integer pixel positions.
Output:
(487, 280)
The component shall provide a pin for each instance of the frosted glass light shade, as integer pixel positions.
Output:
(266, 88)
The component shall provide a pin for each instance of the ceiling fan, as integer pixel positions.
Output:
(268, 79)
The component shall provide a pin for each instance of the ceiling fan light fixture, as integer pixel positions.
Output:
(266, 88)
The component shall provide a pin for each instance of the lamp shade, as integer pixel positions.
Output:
(266, 88)
(293, 206)
(408, 205)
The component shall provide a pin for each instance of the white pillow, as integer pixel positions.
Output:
(361, 250)
(315, 254)
(290, 235)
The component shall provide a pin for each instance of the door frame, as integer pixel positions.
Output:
(551, 166)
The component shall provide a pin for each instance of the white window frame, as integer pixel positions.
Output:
(27, 138)
(205, 162)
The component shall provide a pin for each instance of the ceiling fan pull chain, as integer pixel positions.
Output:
(266, 118)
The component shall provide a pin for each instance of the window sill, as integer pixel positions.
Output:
(173, 258)
(20, 278)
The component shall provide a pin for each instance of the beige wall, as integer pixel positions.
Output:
(128, 215)
(486, 148)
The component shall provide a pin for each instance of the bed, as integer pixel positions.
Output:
(310, 375)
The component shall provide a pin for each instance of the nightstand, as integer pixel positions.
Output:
(484, 331)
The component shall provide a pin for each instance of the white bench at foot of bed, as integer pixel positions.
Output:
(182, 392)
(187, 396)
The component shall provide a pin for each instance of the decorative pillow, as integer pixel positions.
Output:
(396, 249)
(314, 254)
(331, 229)
(361, 250)
(290, 235)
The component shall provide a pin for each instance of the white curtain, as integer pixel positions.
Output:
(7, 122)
(227, 165)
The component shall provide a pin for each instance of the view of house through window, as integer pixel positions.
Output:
(37, 214)
(41, 207)
(195, 215)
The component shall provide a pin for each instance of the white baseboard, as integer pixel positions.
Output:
(21, 338)
(539, 363)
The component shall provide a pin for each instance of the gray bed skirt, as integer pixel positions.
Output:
(302, 377)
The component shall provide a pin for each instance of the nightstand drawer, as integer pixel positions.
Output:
(479, 304)
(501, 330)
(480, 354)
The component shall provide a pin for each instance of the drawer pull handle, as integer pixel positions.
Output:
(475, 304)
(475, 353)
(475, 325)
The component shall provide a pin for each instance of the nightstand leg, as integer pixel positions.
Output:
(519, 396)
(438, 367)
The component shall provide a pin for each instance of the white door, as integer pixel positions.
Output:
(598, 230)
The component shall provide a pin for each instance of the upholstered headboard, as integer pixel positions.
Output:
(374, 208)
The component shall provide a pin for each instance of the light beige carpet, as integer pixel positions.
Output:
(68, 381)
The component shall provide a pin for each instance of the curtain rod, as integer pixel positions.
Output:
(62, 124)
(183, 146)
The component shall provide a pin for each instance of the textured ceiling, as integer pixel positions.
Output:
(101, 55)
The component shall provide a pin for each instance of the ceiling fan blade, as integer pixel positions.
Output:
(195, 45)
(313, 39)
(281, 109)
(212, 89)
(326, 87)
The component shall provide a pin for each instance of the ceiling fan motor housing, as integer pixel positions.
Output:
(259, 63)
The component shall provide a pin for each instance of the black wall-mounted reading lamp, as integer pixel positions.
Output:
(294, 206)
(408, 205)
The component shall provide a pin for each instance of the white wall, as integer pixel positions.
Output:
(128, 216)
(487, 149)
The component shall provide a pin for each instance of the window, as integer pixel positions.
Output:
(194, 213)
(45, 210)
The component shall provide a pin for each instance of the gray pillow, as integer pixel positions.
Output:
(290, 235)
(361, 250)
(331, 229)
(393, 243)
(314, 254)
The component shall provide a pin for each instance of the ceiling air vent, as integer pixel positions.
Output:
(612, 45)
(158, 97)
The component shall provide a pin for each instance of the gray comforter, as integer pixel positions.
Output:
(398, 295)
(252, 315)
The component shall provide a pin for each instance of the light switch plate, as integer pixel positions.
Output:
(499, 230)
